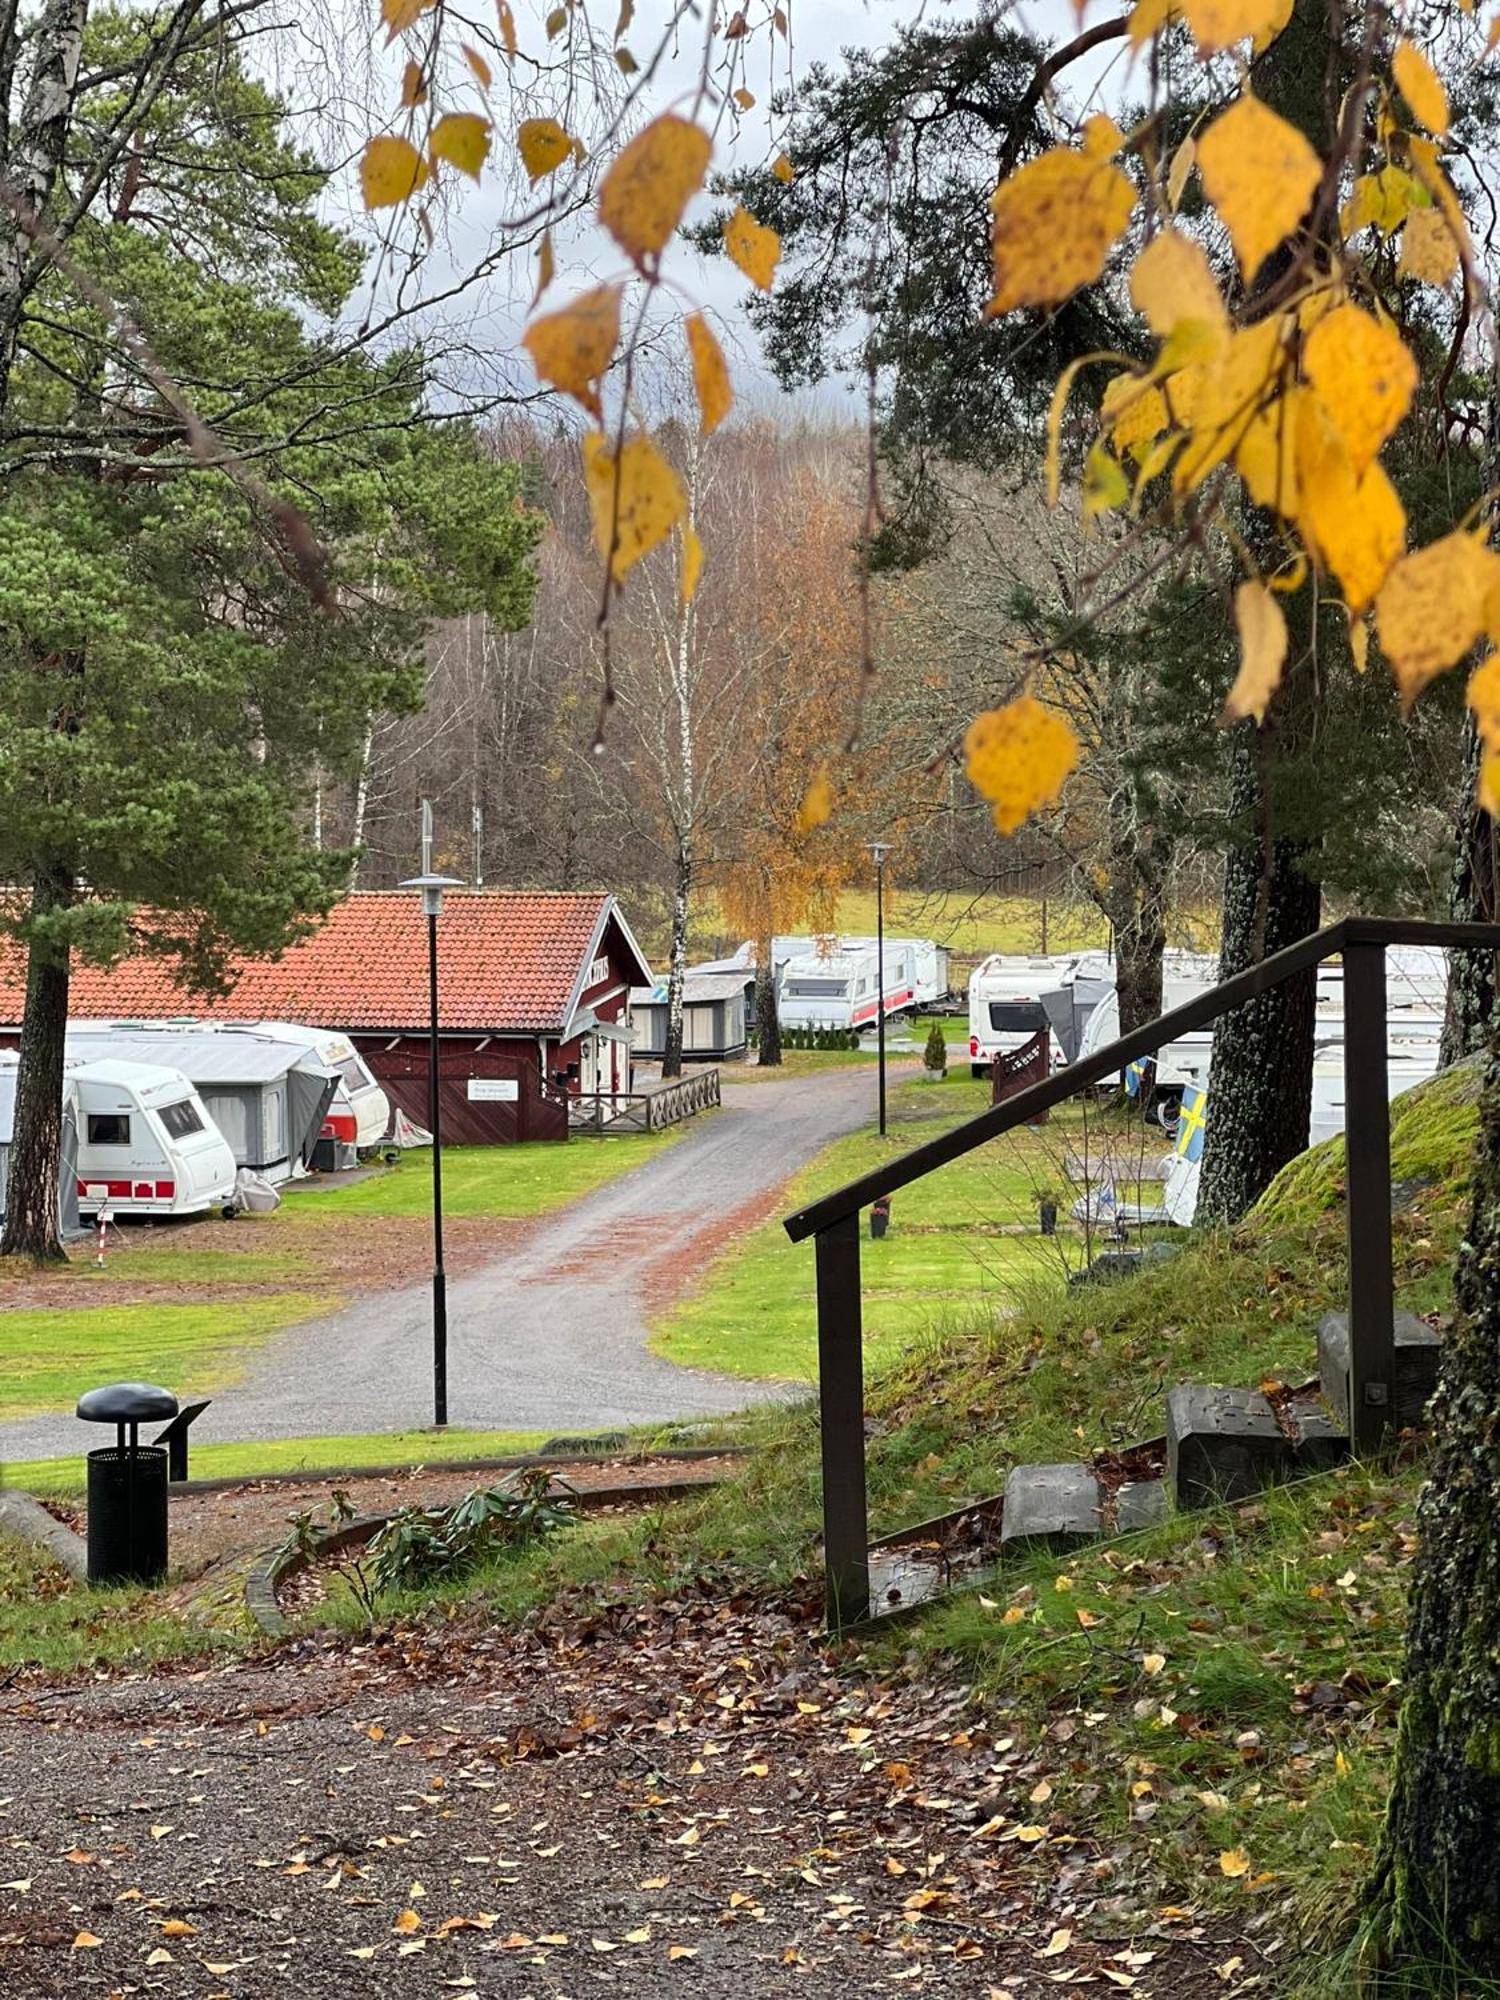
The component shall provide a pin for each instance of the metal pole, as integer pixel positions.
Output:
(841, 1412)
(1367, 1140)
(434, 1119)
(880, 978)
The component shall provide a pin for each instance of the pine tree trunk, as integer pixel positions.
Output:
(671, 1062)
(1260, 1077)
(767, 1015)
(1473, 896)
(1434, 1894)
(31, 1228)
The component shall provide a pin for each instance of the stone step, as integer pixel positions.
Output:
(1418, 1352)
(1061, 1507)
(1230, 1444)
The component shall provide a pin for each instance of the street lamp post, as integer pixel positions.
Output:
(880, 849)
(432, 887)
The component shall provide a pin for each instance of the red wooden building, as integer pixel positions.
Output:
(533, 989)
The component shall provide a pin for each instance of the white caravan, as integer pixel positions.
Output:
(842, 989)
(1005, 1003)
(146, 1145)
(1184, 976)
(929, 960)
(360, 1113)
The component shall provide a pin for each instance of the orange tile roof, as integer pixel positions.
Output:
(509, 961)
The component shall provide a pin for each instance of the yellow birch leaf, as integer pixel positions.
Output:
(1233, 1862)
(1424, 160)
(745, 99)
(413, 87)
(1059, 1942)
(634, 506)
(1262, 630)
(1382, 201)
(1227, 394)
(816, 806)
(507, 21)
(484, 76)
(407, 1922)
(1105, 486)
(573, 347)
(546, 265)
(692, 563)
(1219, 24)
(650, 183)
(1433, 608)
(1362, 371)
(1276, 17)
(543, 146)
(1148, 18)
(753, 247)
(86, 1941)
(1172, 284)
(1061, 389)
(462, 138)
(1101, 137)
(1259, 173)
(1428, 251)
(782, 168)
(1183, 162)
(710, 374)
(1359, 643)
(1356, 526)
(1484, 700)
(1135, 411)
(1487, 791)
(1421, 86)
(1018, 757)
(399, 15)
(1055, 221)
(390, 171)
(1266, 455)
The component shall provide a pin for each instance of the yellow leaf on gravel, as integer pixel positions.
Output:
(86, 1941)
(407, 1922)
(1171, 284)
(650, 183)
(753, 247)
(1428, 251)
(675, 1952)
(1219, 24)
(176, 1927)
(543, 146)
(637, 510)
(573, 347)
(1361, 369)
(462, 138)
(1421, 86)
(1055, 221)
(1433, 608)
(1233, 1862)
(710, 373)
(390, 171)
(1262, 631)
(1259, 173)
(1018, 757)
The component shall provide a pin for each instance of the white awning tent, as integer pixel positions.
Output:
(67, 1166)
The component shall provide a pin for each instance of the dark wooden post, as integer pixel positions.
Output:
(841, 1411)
(1367, 1139)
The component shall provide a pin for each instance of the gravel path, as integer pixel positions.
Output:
(553, 1335)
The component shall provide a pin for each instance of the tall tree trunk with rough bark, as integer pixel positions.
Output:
(767, 1014)
(1433, 1901)
(1473, 897)
(31, 1201)
(1260, 1077)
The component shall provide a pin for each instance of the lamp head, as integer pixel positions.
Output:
(432, 887)
(879, 849)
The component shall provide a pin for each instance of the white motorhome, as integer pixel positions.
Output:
(1184, 976)
(842, 988)
(360, 1112)
(146, 1145)
(1005, 1003)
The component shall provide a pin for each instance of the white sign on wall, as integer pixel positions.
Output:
(598, 973)
(494, 1090)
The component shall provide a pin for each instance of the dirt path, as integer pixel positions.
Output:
(682, 1800)
(552, 1335)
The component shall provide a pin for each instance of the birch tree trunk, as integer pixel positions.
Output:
(671, 1062)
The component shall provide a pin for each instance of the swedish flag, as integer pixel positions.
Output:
(1135, 1076)
(1191, 1122)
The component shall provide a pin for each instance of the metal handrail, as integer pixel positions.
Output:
(833, 1220)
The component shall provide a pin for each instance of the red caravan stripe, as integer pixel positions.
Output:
(892, 1001)
(128, 1190)
(339, 1125)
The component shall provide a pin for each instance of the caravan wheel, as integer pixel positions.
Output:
(229, 1213)
(1166, 1109)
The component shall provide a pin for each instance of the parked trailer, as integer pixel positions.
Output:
(1005, 1003)
(842, 989)
(268, 1098)
(929, 960)
(144, 1143)
(1184, 976)
(359, 1115)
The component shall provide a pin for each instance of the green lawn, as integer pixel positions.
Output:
(48, 1621)
(48, 1356)
(502, 1181)
(962, 1237)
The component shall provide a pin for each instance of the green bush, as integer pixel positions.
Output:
(935, 1055)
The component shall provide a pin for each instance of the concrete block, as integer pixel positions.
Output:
(1418, 1354)
(1321, 1443)
(1052, 1507)
(1223, 1444)
(1144, 1503)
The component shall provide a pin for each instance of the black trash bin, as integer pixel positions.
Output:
(127, 1485)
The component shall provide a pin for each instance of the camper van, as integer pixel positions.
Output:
(841, 988)
(144, 1144)
(1005, 1003)
(268, 1098)
(360, 1111)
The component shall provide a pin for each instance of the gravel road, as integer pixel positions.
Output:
(553, 1335)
